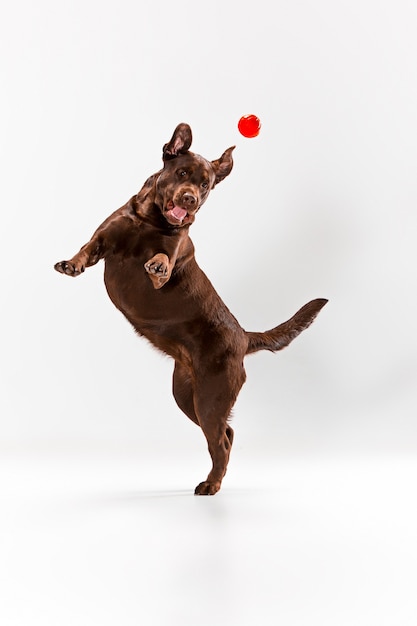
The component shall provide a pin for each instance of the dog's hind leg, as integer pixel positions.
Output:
(183, 391)
(214, 399)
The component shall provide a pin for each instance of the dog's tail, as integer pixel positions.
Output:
(281, 336)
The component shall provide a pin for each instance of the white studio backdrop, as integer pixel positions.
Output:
(321, 204)
(315, 522)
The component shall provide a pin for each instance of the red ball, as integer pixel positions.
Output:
(249, 126)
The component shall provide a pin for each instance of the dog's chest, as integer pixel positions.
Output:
(132, 292)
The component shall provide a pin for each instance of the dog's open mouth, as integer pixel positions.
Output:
(174, 213)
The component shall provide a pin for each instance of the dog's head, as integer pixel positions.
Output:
(186, 179)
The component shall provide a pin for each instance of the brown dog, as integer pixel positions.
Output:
(152, 277)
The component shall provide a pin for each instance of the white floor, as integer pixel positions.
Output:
(113, 539)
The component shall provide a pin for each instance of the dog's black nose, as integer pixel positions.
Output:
(189, 200)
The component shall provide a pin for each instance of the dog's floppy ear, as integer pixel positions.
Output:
(179, 143)
(223, 166)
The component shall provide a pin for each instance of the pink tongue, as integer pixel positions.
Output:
(179, 212)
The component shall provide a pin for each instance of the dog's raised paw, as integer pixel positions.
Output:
(158, 265)
(68, 268)
(157, 268)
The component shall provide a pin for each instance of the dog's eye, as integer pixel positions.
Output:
(182, 173)
(204, 185)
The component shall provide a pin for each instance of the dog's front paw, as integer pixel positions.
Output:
(158, 270)
(69, 268)
(157, 267)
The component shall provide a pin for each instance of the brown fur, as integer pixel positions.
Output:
(152, 277)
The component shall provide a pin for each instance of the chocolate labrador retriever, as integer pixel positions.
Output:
(152, 277)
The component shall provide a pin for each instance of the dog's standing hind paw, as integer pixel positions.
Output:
(207, 488)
